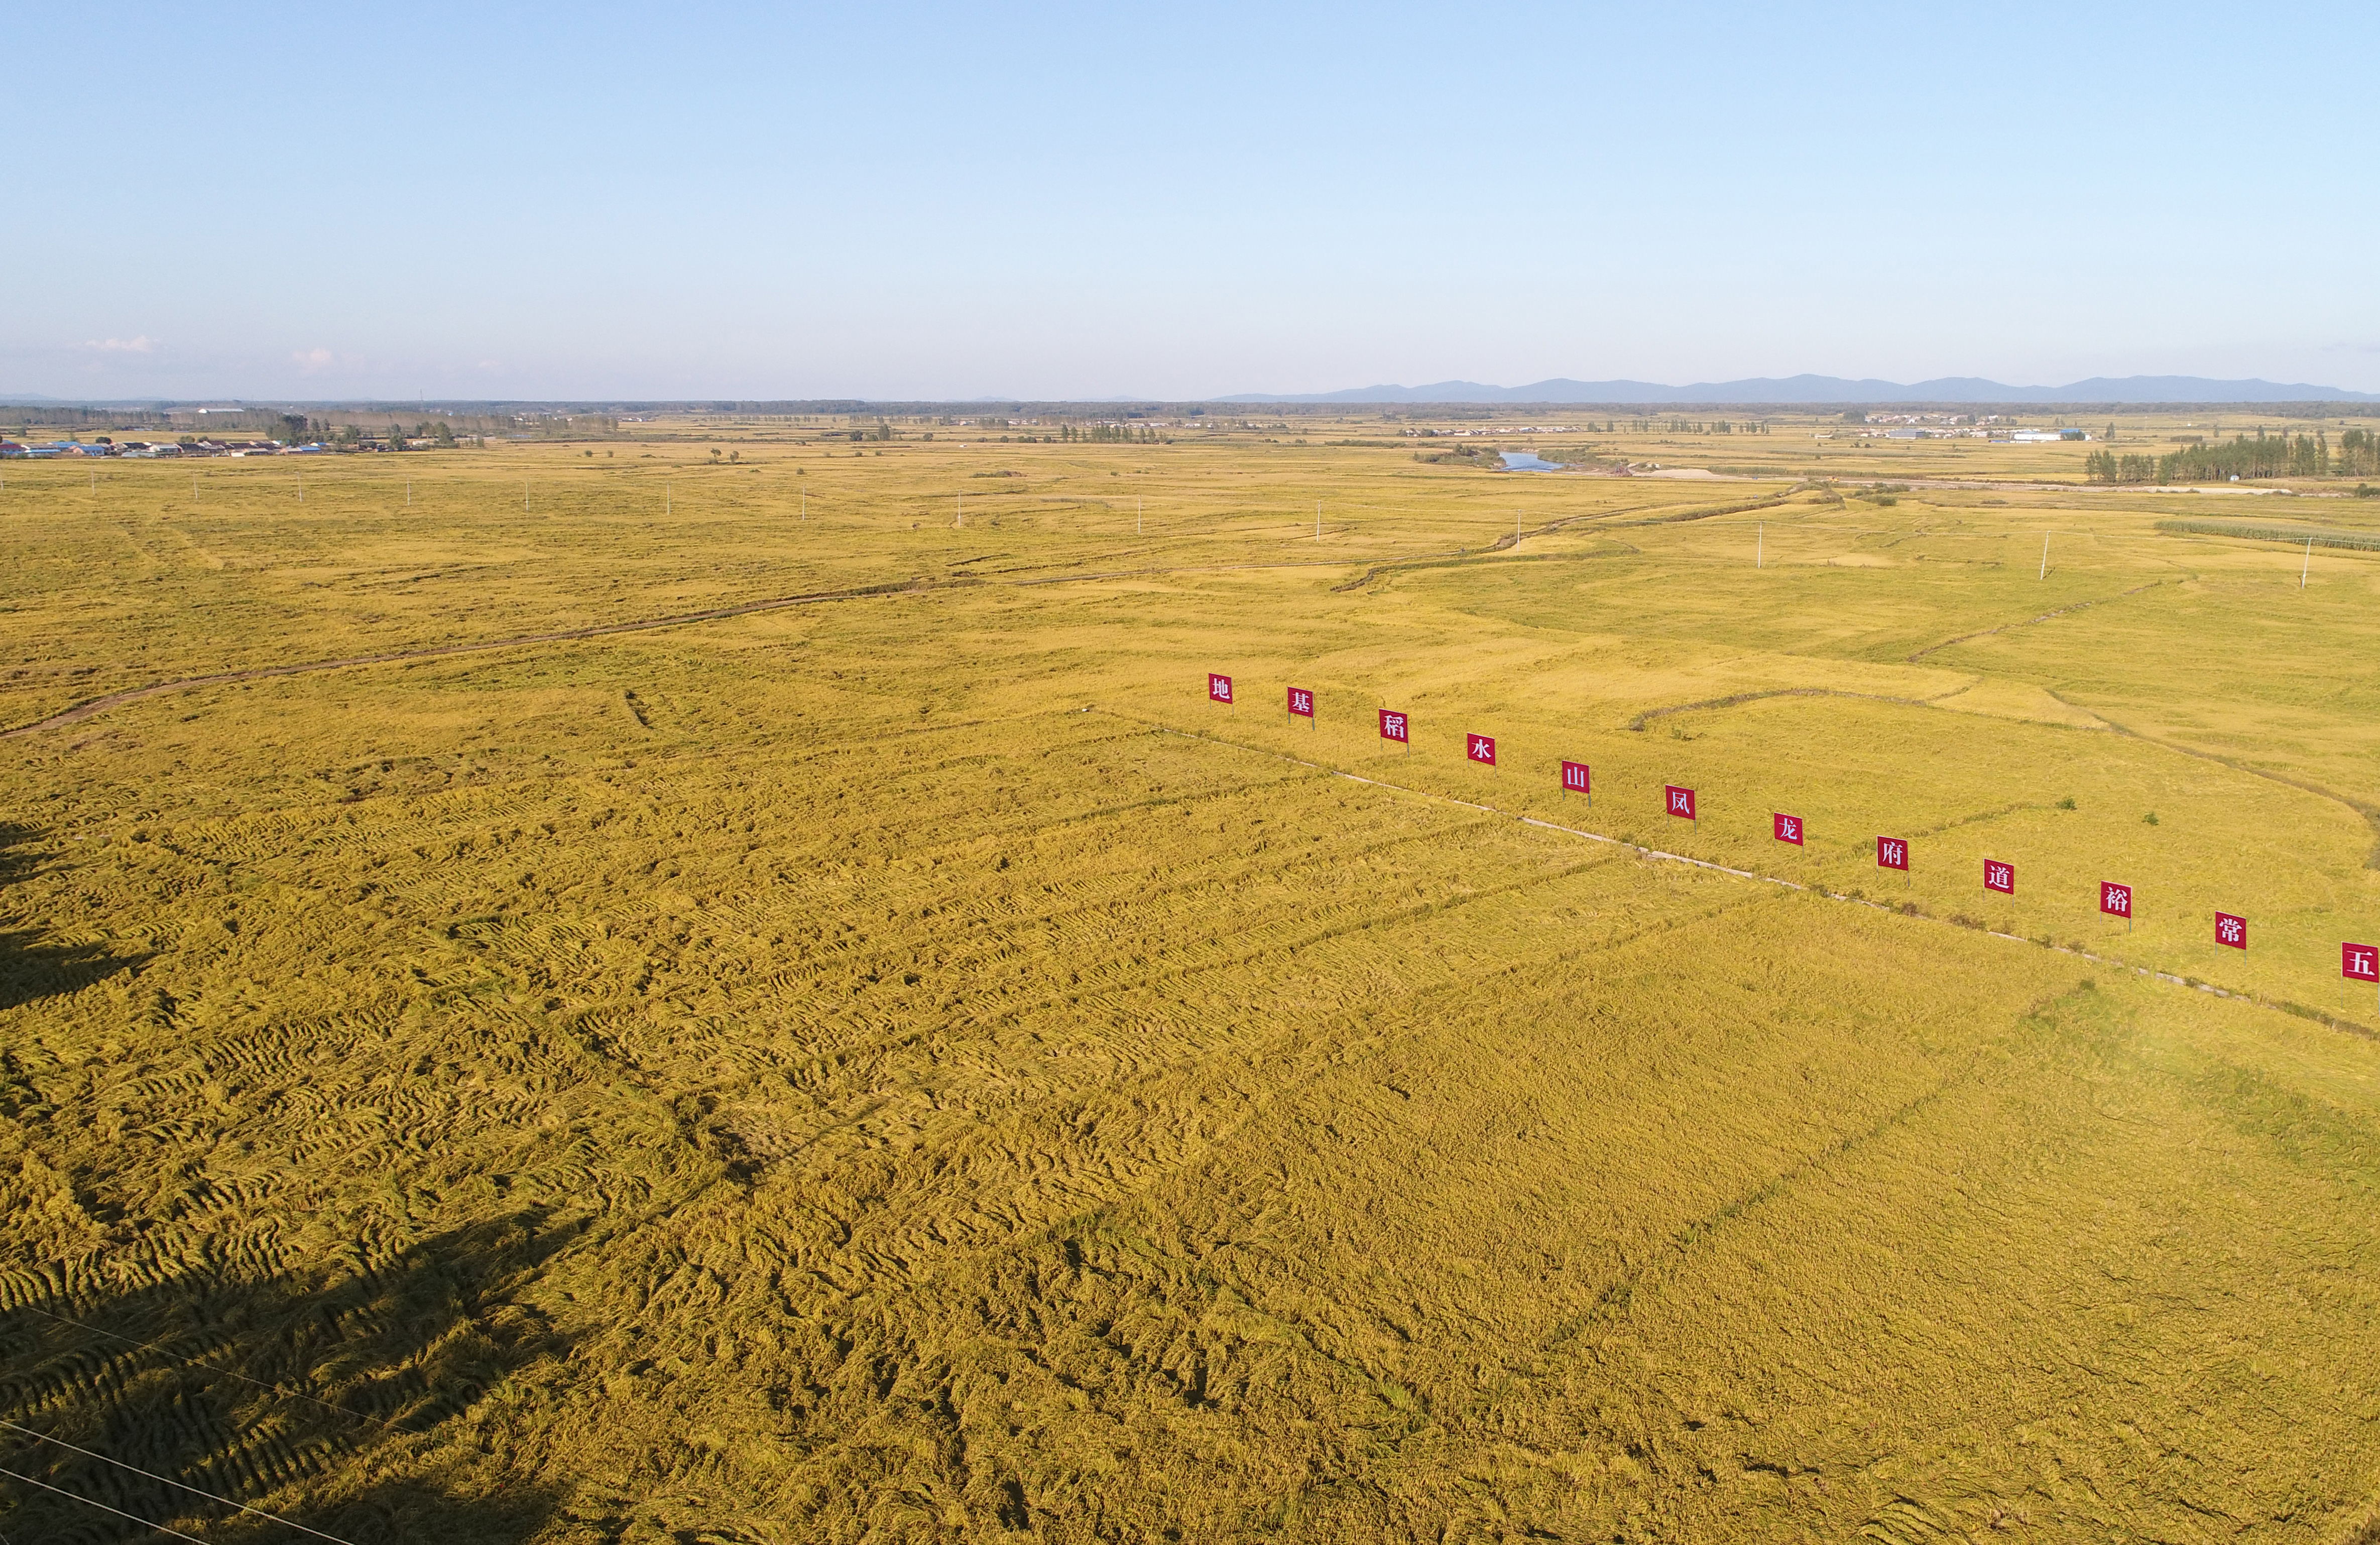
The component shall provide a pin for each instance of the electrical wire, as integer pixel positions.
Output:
(70, 1496)
(168, 1480)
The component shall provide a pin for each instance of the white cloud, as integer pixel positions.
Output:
(142, 344)
(312, 359)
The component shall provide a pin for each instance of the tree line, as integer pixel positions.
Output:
(2356, 455)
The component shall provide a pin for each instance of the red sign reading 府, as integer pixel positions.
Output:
(2115, 900)
(2000, 876)
(1574, 778)
(1788, 827)
(1301, 702)
(1219, 687)
(2230, 930)
(1480, 748)
(1682, 801)
(1891, 852)
(1392, 726)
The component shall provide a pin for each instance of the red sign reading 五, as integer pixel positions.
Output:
(2360, 962)
(1891, 852)
(1392, 726)
(1219, 687)
(1574, 778)
(2230, 930)
(2000, 876)
(1301, 702)
(2115, 900)
(1682, 801)
(1480, 748)
(1788, 828)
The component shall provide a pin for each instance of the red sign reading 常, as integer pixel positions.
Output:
(2360, 961)
(1480, 748)
(1219, 687)
(1574, 778)
(2230, 930)
(1301, 702)
(1392, 726)
(1682, 801)
(2115, 900)
(2000, 876)
(1788, 827)
(1891, 852)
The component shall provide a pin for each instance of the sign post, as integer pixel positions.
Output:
(2361, 962)
(1480, 748)
(1395, 727)
(1577, 780)
(2115, 900)
(1891, 852)
(1302, 702)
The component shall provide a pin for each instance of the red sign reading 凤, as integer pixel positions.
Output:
(1219, 687)
(2115, 900)
(1682, 801)
(2000, 876)
(2230, 930)
(1392, 726)
(1480, 748)
(1788, 827)
(1301, 702)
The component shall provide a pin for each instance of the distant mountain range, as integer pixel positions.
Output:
(1834, 389)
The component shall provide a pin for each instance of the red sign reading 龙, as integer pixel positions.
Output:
(2000, 876)
(1219, 687)
(2115, 900)
(1788, 827)
(1682, 801)
(2230, 930)
(1301, 702)
(1480, 748)
(1574, 778)
(1891, 852)
(1392, 726)
(2360, 961)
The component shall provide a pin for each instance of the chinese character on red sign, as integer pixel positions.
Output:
(1219, 687)
(1891, 852)
(2115, 900)
(1788, 827)
(2360, 961)
(1480, 748)
(1392, 726)
(2230, 930)
(1301, 702)
(1682, 801)
(1574, 778)
(2000, 876)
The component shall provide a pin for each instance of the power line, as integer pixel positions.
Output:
(144, 1523)
(201, 1362)
(153, 1475)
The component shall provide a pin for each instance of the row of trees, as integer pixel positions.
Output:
(2264, 457)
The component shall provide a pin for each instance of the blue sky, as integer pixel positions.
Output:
(897, 201)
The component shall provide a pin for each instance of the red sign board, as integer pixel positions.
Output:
(2115, 900)
(1788, 827)
(1480, 748)
(2360, 961)
(1219, 687)
(2230, 930)
(1392, 726)
(1682, 801)
(2000, 876)
(1574, 778)
(1891, 852)
(1301, 702)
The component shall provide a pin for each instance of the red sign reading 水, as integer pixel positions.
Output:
(1480, 748)
(1574, 778)
(2000, 876)
(2115, 900)
(1301, 702)
(1392, 726)
(1219, 687)
(1891, 852)
(1787, 827)
(1682, 801)
(2230, 930)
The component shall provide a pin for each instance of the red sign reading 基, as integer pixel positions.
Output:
(1480, 748)
(1219, 687)
(1574, 778)
(2000, 876)
(1301, 702)
(2360, 961)
(1682, 801)
(2230, 930)
(1788, 827)
(2115, 900)
(1392, 726)
(1891, 852)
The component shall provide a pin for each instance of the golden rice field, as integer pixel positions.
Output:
(904, 1066)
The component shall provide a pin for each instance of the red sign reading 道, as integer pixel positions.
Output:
(2000, 876)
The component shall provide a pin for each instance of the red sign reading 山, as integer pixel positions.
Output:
(1301, 702)
(1682, 801)
(1219, 687)
(1891, 852)
(2360, 961)
(1392, 726)
(2115, 900)
(1574, 778)
(2230, 930)
(2000, 876)
(1480, 748)
(1788, 827)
